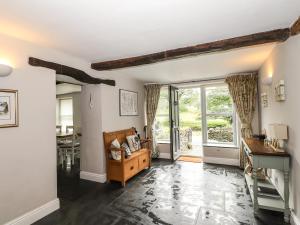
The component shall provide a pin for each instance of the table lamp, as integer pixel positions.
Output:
(278, 133)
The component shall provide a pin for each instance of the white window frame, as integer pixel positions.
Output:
(204, 117)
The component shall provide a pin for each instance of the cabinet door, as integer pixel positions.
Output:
(143, 161)
(131, 168)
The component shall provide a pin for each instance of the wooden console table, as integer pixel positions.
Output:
(265, 157)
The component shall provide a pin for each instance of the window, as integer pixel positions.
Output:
(64, 112)
(162, 124)
(219, 116)
(213, 116)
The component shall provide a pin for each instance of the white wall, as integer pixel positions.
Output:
(111, 118)
(28, 152)
(104, 116)
(92, 153)
(284, 64)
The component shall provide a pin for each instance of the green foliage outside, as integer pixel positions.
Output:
(217, 123)
(218, 100)
(190, 109)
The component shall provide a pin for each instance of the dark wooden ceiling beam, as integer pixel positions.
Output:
(295, 29)
(69, 71)
(279, 35)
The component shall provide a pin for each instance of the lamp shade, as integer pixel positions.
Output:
(278, 131)
(5, 70)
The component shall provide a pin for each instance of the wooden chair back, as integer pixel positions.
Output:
(68, 128)
(108, 137)
(58, 128)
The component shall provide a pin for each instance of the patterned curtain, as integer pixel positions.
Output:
(243, 90)
(152, 98)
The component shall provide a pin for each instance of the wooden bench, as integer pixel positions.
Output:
(124, 169)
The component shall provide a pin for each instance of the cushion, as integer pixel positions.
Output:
(134, 143)
(127, 149)
(116, 155)
(115, 144)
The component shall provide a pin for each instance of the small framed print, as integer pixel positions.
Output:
(9, 114)
(128, 101)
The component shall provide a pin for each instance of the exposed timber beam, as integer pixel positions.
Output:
(279, 35)
(295, 29)
(69, 71)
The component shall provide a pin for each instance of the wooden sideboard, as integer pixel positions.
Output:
(265, 157)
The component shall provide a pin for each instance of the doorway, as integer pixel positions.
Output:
(206, 117)
(68, 135)
(190, 121)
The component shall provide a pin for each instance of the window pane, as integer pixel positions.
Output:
(66, 107)
(66, 113)
(220, 129)
(162, 128)
(218, 100)
(162, 125)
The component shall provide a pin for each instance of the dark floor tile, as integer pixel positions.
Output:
(177, 193)
(175, 212)
(215, 217)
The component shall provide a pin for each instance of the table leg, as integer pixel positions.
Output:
(286, 197)
(255, 202)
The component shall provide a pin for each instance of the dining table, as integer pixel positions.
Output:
(64, 134)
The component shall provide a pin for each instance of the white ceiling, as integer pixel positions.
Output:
(65, 88)
(99, 30)
(205, 66)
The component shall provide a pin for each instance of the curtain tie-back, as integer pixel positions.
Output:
(246, 126)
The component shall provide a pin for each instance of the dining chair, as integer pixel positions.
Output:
(60, 152)
(69, 128)
(71, 147)
(58, 128)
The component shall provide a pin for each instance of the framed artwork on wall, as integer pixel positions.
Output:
(9, 114)
(128, 103)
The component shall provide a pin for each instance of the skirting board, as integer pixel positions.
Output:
(164, 155)
(223, 161)
(294, 219)
(36, 214)
(100, 178)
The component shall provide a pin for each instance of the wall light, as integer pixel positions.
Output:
(267, 80)
(5, 70)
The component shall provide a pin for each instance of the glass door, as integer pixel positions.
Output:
(174, 122)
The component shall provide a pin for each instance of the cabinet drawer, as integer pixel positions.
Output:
(143, 161)
(131, 168)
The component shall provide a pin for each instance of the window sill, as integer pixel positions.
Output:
(220, 145)
(163, 142)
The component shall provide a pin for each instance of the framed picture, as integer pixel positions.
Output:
(9, 115)
(128, 101)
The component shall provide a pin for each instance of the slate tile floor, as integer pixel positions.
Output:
(182, 193)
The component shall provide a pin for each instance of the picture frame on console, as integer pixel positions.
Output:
(128, 103)
(9, 110)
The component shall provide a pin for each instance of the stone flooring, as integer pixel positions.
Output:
(182, 193)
